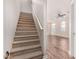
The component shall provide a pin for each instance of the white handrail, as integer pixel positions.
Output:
(37, 19)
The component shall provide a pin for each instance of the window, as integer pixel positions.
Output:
(63, 26)
(53, 27)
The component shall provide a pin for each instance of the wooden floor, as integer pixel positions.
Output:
(58, 48)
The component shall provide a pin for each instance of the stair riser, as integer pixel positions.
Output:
(25, 29)
(25, 20)
(26, 26)
(25, 38)
(31, 27)
(26, 23)
(26, 33)
(25, 51)
(25, 44)
(25, 16)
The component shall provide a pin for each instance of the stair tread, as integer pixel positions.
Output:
(29, 55)
(25, 27)
(25, 38)
(25, 31)
(24, 48)
(25, 19)
(21, 28)
(25, 35)
(16, 42)
(27, 24)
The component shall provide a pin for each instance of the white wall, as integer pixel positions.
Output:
(38, 14)
(45, 30)
(26, 6)
(61, 31)
(11, 15)
(58, 6)
(73, 30)
(38, 8)
(53, 8)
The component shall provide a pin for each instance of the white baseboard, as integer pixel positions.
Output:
(45, 57)
(66, 36)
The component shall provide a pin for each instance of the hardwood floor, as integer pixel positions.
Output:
(58, 48)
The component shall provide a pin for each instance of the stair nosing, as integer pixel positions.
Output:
(25, 31)
(24, 48)
(16, 42)
(25, 35)
(29, 55)
(26, 18)
(27, 25)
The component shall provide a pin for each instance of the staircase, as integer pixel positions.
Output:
(26, 44)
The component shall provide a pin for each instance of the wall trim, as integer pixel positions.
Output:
(60, 35)
(45, 57)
